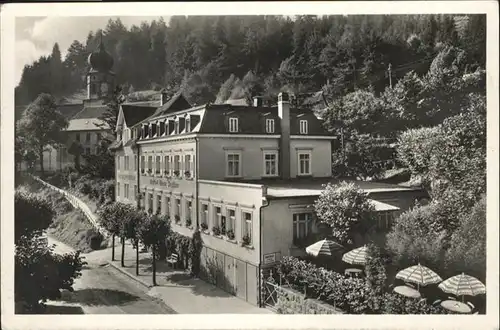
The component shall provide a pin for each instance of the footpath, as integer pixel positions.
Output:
(177, 289)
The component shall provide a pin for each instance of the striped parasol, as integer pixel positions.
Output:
(356, 256)
(324, 247)
(462, 285)
(420, 275)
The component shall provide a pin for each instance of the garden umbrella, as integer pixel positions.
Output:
(420, 275)
(356, 256)
(461, 285)
(324, 247)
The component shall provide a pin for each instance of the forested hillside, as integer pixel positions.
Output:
(262, 54)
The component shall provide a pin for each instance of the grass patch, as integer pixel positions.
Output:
(69, 225)
(74, 229)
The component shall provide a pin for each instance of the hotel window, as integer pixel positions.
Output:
(177, 164)
(178, 208)
(270, 163)
(166, 165)
(126, 162)
(218, 216)
(187, 165)
(77, 137)
(87, 137)
(118, 189)
(134, 167)
(125, 191)
(176, 127)
(385, 219)
(231, 220)
(135, 192)
(247, 226)
(150, 203)
(303, 126)
(98, 136)
(158, 204)
(117, 161)
(304, 163)
(143, 164)
(204, 215)
(189, 210)
(158, 165)
(233, 165)
(150, 164)
(269, 125)
(167, 206)
(302, 225)
(188, 125)
(87, 151)
(233, 125)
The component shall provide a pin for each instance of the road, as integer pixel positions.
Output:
(103, 290)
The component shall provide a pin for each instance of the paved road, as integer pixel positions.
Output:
(103, 290)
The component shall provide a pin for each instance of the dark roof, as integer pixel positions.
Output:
(91, 112)
(252, 119)
(176, 103)
(136, 113)
(70, 110)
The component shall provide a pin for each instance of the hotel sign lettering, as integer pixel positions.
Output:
(130, 177)
(163, 183)
(269, 258)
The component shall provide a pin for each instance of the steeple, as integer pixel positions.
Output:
(100, 78)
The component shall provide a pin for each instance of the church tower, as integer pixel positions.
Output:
(100, 78)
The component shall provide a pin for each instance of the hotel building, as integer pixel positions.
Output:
(248, 176)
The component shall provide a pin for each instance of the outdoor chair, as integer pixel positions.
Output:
(452, 298)
(172, 260)
(437, 302)
(471, 305)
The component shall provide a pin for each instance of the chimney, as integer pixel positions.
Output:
(284, 114)
(163, 96)
(257, 101)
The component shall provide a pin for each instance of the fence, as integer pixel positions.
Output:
(79, 204)
(282, 298)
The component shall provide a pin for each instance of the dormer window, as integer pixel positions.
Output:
(150, 131)
(269, 125)
(176, 127)
(303, 127)
(233, 125)
(188, 125)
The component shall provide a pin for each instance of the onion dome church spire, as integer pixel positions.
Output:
(100, 78)
(100, 60)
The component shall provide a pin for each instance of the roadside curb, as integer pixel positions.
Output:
(135, 278)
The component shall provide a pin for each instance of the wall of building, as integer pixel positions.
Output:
(321, 151)
(213, 162)
(126, 176)
(277, 226)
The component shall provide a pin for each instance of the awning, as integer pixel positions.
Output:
(380, 206)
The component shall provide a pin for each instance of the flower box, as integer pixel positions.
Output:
(216, 230)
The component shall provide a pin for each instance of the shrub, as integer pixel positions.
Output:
(95, 240)
(348, 294)
(346, 209)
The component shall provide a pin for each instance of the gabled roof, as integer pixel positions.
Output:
(70, 110)
(176, 103)
(136, 113)
(89, 112)
(88, 119)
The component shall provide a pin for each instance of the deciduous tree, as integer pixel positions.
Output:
(346, 209)
(42, 125)
(153, 231)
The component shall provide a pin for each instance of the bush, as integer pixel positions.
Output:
(348, 294)
(396, 304)
(95, 240)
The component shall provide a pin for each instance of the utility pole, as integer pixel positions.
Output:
(389, 69)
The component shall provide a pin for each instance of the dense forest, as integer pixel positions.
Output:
(217, 57)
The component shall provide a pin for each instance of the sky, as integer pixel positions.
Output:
(35, 36)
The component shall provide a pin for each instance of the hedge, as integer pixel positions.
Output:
(352, 295)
